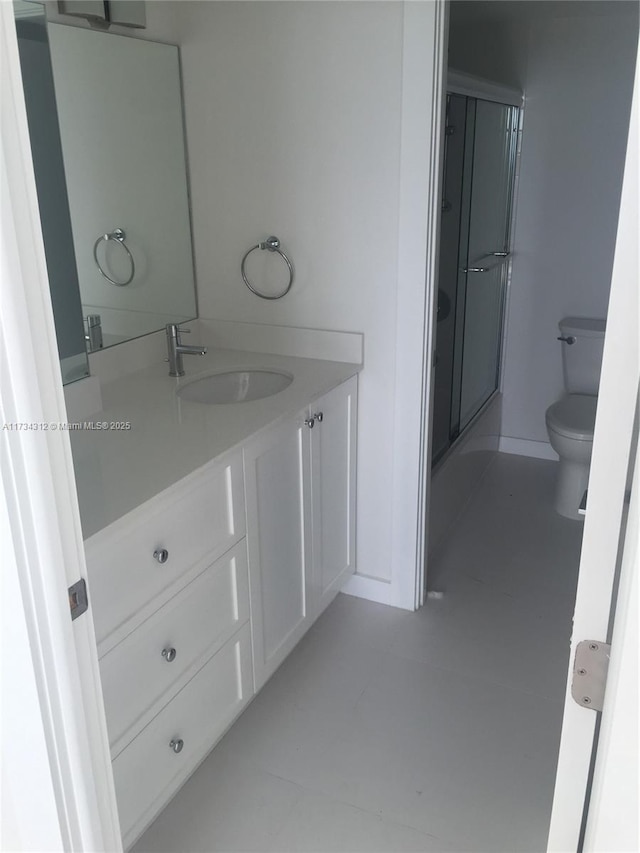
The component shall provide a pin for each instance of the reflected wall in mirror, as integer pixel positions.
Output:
(46, 151)
(119, 111)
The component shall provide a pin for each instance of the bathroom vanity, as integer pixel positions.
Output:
(216, 535)
(215, 532)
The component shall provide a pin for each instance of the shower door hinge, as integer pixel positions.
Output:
(78, 598)
(590, 668)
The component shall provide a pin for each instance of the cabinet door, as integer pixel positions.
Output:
(276, 470)
(333, 479)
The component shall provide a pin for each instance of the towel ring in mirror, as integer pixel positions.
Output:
(118, 236)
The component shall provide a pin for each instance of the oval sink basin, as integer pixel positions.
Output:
(235, 386)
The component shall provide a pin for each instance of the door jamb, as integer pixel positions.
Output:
(39, 486)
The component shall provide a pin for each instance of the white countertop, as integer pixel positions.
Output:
(117, 470)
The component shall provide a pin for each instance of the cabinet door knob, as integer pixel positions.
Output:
(310, 421)
(176, 745)
(319, 417)
(169, 654)
(161, 555)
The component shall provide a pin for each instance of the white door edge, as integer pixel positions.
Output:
(613, 804)
(423, 103)
(617, 399)
(39, 490)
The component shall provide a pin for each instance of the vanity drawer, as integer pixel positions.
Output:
(148, 771)
(195, 522)
(162, 654)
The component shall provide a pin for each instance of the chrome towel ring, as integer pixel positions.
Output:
(118, 236)
(271, 244)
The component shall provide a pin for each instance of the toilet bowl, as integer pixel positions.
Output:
(571, 420)
(570, 424)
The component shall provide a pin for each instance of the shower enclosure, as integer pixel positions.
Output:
(479, 164)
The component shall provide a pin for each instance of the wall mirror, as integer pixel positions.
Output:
(107, 138)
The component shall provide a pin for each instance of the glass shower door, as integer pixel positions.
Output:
(484, 254)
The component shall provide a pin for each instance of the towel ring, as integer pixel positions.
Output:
(118, 236)
(271, 244)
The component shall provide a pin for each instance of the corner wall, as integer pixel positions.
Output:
(294, 127)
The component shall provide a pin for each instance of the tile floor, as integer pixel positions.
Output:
(394, 731)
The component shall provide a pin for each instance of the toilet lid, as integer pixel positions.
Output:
(574, 416)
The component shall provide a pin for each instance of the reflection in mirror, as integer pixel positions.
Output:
(48, 166)
(119, 113)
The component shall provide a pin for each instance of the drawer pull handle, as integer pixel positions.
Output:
(169, 654)
(176, 745)
(319, 417)
(310, 422)
(161, 555)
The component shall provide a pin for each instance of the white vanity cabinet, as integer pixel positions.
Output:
(140, 673)
(199, 594)
(300, 496)
(333, 491)
(168, 587)
(276, 467)
(149, 771)
(140, 561)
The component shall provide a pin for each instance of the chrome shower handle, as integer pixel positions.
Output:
(499, 254)
(475, 269)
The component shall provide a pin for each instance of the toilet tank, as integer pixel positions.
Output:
(582, 360)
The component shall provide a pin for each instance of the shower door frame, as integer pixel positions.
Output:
(460, 83)
(455, 423)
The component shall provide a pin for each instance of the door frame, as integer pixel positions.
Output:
(44, 543)
(469, 85)
(38, 481)
(615, 791)
(601, 545)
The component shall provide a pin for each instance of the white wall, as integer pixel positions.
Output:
(575, 63)
(293, 115)
(315, 121)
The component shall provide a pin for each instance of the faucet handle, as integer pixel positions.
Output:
(174, 331)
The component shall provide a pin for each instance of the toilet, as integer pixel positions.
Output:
(571, 420)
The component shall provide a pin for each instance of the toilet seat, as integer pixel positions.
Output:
(573, 417)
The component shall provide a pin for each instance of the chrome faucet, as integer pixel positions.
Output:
(93, 335)
(176, 349)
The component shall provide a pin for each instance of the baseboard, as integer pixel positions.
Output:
(379, 591)
(527, 447)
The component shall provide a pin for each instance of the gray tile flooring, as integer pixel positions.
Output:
(394, 731)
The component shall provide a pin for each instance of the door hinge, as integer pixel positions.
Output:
(78, 598)
(590, 668)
